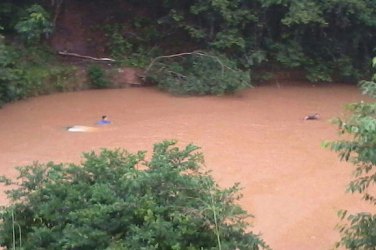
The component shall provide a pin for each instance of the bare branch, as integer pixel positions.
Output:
(199, 53)
(86, 57)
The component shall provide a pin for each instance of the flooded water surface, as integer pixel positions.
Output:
(258, 137)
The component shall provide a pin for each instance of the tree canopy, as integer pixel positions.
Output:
(327, 39)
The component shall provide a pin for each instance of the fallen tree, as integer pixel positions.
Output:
(197, 73)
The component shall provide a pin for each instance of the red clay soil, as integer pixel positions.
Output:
(292, 185)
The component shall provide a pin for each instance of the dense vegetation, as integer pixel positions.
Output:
(328, 40)
(119, 200)
(358, 230)
(325, 38)
(197, 73)
(27, 67)
(24, 73)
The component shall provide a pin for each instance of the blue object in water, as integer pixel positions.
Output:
(103, 122)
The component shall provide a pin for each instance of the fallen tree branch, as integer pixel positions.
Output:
(199, 53)
(86, 57)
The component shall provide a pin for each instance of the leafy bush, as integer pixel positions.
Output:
(128, 51)
(118, 45)
(40, 79)
(119, 200)
(35, 24)
(97, 77)
(358, 230)
(24, 73)
(197, 73)
(290, 54)
(10, 74)
(347, 69)
(318, 72)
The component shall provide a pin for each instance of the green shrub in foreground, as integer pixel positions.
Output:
(118, 200)
(359, 148)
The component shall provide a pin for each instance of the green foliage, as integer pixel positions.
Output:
(119, 200)
(305, 33)
(97, 77)
(318, 71)
(10, 74)
(40, 80)
(127, 51)
(8, 16)
(218, 23)
(198, 73)
(358, 230)
(292, 33)
(229, 38)
(369, 87)
(24, 73)
(34, 25)
(255, 58)
(345, 67)
(303, 13)
(118, 45)
(290, 54)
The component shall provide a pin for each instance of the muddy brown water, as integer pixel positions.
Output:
(258, 137)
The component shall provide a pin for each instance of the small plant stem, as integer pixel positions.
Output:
(13, 232)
